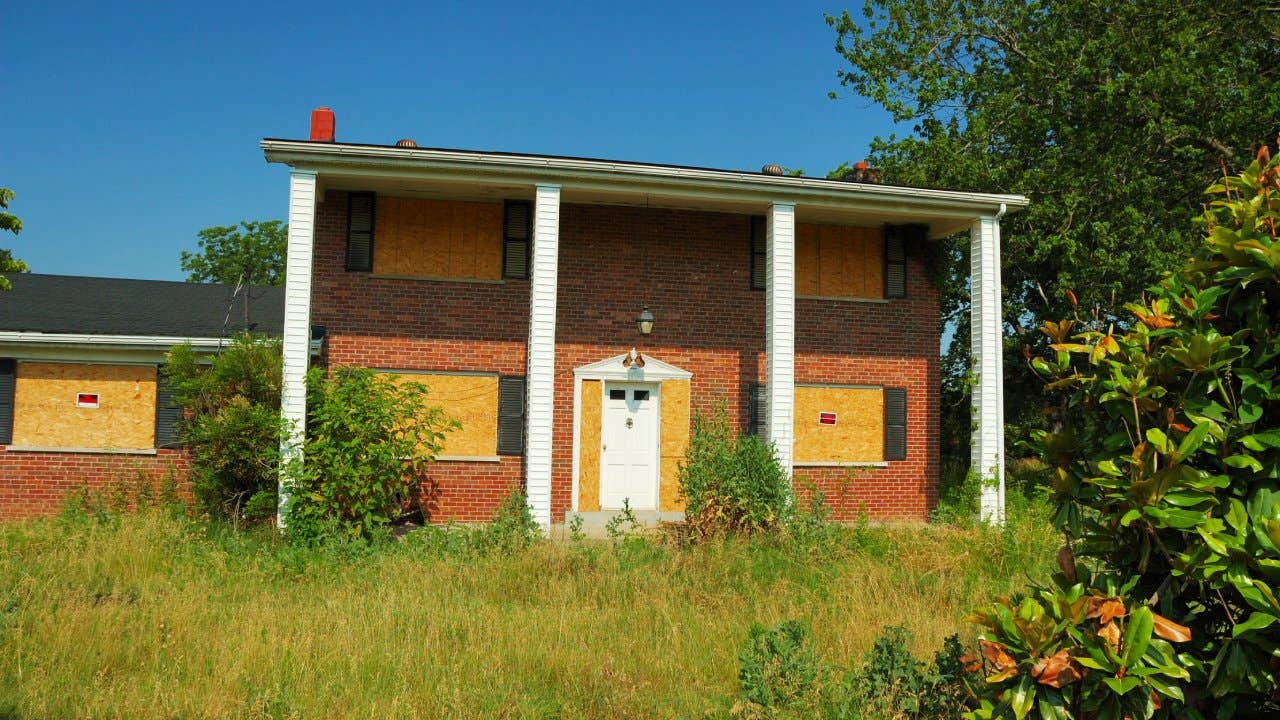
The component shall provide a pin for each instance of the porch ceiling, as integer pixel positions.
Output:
(417, 172)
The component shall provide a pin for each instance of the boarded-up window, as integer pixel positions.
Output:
(472, 400)
(46, 412)
(839, 261)
(7, 371)
(839, 424)
(448, 239)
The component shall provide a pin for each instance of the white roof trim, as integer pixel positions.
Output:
(123, 341)
(613, 369)
(586, 173)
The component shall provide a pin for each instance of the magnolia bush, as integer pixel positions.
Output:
(1165, 459)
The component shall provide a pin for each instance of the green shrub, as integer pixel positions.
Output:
(1164, 463)
(892, 682)
(778, 667)
(731, 484)
(369, 439)
(231, 424)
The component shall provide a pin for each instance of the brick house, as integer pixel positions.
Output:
(573, 313)
(82, 403)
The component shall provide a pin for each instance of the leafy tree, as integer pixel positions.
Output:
(1165, 473)
(1108, 115)
(251, 251)
(231, 424)
(10, 222)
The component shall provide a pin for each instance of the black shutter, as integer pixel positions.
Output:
(8, 375)
(895, 262)
(168, 413)
(360, 221)
(759, 253)
(895, 424)
(510, 416)
(516, 231)
(757, 408)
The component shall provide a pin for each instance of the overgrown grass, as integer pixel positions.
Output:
(152, 615)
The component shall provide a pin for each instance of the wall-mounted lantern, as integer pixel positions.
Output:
(644, 321)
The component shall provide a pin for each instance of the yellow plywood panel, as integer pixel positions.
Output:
(472, 400)
(46, 413)
(870, 259)
(839, 261)
(835, 262)
(438, 238)
(589, 448)
(488, 254)
(674, 439)
(807, 259)
(857, 436)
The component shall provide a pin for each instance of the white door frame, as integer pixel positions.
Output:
(615, 369)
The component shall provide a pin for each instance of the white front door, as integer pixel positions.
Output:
(629, 446)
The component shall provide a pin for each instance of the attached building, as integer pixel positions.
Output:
(81, 399)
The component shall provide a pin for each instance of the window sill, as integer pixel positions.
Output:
(431, 278)
(873, 301)
(96, 451)
(469, 458)
(819, 463)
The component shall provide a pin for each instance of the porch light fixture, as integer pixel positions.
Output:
(644, 321)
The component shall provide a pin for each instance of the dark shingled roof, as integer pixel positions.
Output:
(110, 306)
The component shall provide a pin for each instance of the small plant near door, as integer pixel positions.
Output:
(731, 484)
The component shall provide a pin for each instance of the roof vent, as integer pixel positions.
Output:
(772, 169)
(322, 125)
(406, 143)
(863, 173)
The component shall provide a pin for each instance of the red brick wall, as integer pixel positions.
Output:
(693, 270)
(33, 484)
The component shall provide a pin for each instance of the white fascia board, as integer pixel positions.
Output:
(113, 341)
(580, 173)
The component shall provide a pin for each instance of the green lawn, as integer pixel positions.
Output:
(149, 616)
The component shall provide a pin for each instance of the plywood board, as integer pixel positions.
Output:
(46, 415)
(589, 447)
(472, 400)
(807, 261)
(438, 238)
(839, 261)
(857, 436)
(674, 439)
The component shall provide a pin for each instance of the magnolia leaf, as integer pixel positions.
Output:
(1170, 630)
(1057, 670)
(1256, 621)
(1021, 697)
(996, 655)
(1138, 634)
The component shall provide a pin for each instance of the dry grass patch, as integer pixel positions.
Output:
(148, 616)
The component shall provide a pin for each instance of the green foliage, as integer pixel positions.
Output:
(892, 681)
(1165, 474)
(232, 425)
(9, 222)
(779, 667)
(1110, 116)
(253, 252)
(369, 441)
(731, 484)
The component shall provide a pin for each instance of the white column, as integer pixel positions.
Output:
(297, 325)
(988, 364)
(540, 376)
(780, 330)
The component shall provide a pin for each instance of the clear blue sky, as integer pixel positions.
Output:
(127, 127)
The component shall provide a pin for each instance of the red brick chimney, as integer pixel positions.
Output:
(322, 125)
